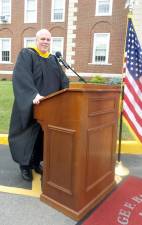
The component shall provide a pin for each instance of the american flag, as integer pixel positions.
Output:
(132, 100)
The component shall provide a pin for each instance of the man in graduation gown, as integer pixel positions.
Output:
(37, 73)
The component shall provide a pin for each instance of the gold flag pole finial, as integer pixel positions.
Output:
(130, 5)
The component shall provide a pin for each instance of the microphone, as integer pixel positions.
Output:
(59, 57)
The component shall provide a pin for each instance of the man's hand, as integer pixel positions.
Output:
(37, 99)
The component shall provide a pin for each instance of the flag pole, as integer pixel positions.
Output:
(121, 124)
(121, 170)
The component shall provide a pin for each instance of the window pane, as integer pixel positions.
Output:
(30, 16)
(4, 50)
(101, 43)
(31, 11)
(58, 14)
(58, 3)
(5, 45)
(58, 10)
(30, 4)
(100, 55)
(5, 56)
(29, 42)
(104, 7)
(57, 45)
(5, 10)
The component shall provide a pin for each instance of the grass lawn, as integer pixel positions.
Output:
(6, 100)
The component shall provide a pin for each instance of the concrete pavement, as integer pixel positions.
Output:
(20, 203)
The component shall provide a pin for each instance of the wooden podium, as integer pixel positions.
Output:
(80, 133)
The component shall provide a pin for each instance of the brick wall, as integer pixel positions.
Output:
(77, 30)
(87, 25)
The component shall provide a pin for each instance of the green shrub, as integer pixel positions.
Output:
(114, 81)
(105, 80)
(98, 80)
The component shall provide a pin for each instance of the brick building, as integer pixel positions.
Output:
(137, 18)
(90, 34)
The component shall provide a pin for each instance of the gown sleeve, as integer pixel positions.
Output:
(23, 85)
(23, 82)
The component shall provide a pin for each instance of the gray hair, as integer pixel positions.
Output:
(42, 31)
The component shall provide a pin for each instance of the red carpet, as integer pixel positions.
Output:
(122, 207)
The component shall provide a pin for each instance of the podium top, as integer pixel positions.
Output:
(93, 87)
(86, 87)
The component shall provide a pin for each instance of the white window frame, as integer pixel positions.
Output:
(62, 45)
(97, 35)
(6, 18)
(109, 13)
(52, 12)
(5, 62)
(25, 13)
(28, 39)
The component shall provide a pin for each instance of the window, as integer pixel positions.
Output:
(5, 50)
(58, 10)
(5, 11)
(57, 44)
(101, 48)
(103, 7)
(29, 41)
(30, 11)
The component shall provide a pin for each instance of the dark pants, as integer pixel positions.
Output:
(37, 155)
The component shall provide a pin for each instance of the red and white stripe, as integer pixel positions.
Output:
(132, 103)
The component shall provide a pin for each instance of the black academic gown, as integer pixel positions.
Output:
(32, 74)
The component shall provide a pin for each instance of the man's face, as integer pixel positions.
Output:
(43, 41)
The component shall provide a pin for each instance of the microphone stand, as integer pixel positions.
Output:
(81, 78)
(68, 67)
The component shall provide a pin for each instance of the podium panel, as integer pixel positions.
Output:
(80, 134)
